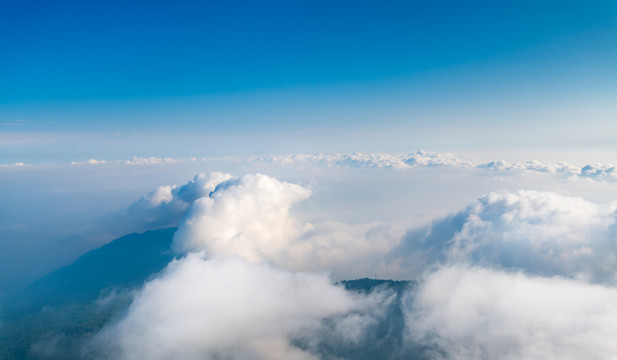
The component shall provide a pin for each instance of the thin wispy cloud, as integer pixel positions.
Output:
(596, 171)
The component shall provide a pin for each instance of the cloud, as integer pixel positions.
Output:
(512, 275)
(166, 205)
(250, 217)
(223, 308)
(346, 250)
(152, 161)
(599, 171)
(246, 217)
(89, 162)
(532, 165)
(430, 159)
(422, 158)
(525, 275)
(539, 232)
(238, 293)
(419, 158)
(18, 164)
(473, 313)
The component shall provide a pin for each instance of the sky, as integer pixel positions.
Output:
(101, 102)
(111, 80)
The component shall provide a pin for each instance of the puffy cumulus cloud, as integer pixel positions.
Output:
(522, 275)
(250, 217)
(247, 217)
(538, 232)
(474, 313)
(599, 171)
(224, 308)
(166, 205)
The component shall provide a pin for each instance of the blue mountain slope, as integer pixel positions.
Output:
(64, 303)
(123, 263)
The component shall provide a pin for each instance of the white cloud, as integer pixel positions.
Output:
(482, 295)
(526, 275)
(539, 232)
(89, 162)
(423, 158)
(166, 205)
(18, 164)
(245, 301)
(417, 159)
(250, 217)
(247, 217)
(532, 165)
(223, 308)
(346, 250)
(430, 158)
(152, 161)
(599, 171)
(377, 160)
(474, 313)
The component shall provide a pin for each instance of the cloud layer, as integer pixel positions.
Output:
(420, 158)
(542, 233)
(512, 275)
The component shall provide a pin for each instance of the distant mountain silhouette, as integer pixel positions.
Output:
(80, 298)
(123, 263)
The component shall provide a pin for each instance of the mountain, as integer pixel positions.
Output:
(79, 299)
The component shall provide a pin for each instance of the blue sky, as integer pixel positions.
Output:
(303, 76)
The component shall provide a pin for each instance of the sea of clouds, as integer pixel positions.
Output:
(513, 275)
(502, 272)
